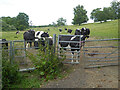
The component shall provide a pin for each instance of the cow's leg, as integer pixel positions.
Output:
(72, 56)
(78, 56)
(30, 44)
(27, 45)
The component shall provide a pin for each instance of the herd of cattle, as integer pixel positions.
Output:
(40, 37)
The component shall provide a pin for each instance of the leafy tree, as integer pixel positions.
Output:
(19, 22)
(95, 14)
(102, 15)
(7, 27)
(116, 8)
(108, 13)
(79, 15)
(61, 22)
(22, 21)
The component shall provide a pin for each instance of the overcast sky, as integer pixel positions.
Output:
(44, 12)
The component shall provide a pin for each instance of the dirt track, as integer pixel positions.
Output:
(105, 77)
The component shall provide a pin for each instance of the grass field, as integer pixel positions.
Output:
(98, 30)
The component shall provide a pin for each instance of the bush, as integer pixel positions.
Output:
(10, 73)
(46, 62)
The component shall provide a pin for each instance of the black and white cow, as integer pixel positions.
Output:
(76, 46)
(3, 43)
(69, 31)
(83, 31)
(41, 37)
(60, 30)
(29, 36)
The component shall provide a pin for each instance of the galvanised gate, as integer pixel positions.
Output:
(96, 53)
(99, 53)
(68, 52)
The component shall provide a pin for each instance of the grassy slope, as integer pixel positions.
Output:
(98, 30)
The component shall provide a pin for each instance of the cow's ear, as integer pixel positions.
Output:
(47, 32)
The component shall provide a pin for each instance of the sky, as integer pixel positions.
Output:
(44, 12)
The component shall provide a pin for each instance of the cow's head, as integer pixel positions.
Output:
(85, 31)
(69, 31)
(45, 34)
(77, 32)
(32, 32)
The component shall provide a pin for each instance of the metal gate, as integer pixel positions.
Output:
(99, 53)
(17, 53)
(67, 52)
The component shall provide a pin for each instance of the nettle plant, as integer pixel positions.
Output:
(46, 62)
(10, 72)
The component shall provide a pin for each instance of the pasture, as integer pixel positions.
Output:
(98, 31)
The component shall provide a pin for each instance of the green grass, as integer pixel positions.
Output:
(33, 80)
(98, 30)
(30, 80)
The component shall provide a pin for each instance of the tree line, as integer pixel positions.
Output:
(21, 21)
(98, 14)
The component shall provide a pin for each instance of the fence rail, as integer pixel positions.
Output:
(90, 58)
(101, 51)
(67, 52)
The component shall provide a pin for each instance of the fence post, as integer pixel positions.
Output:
(24, 48)
(54, 42)
(11, 53)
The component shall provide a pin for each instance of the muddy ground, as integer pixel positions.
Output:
(105, 77)
(79, 77)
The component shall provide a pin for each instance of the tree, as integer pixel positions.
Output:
(116, 8)
(101, 15)
(108, 13)
(7, 27)
(96, 14)
(79, 15)
(22, 21)
(61, 22)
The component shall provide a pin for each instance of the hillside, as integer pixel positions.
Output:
(98, 30)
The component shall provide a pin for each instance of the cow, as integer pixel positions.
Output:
(83, 31)
(48, 29)
(65, 29)
(69, 31)
(17, 32)
(43, 43)
(40, 38)
(29, 36)
(60, 30)
(4, 43)
(76, 46)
